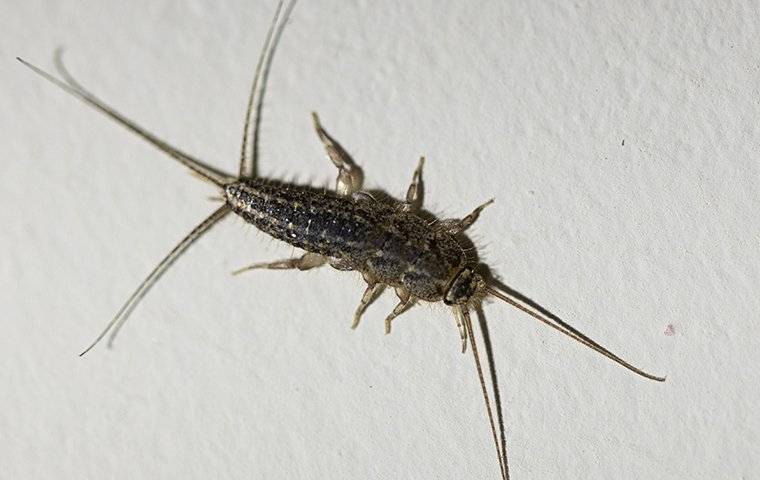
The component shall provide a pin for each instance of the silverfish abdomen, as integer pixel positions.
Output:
(397, 248)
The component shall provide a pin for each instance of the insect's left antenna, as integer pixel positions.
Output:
(573, 333)
(121, 316)
(71, 86)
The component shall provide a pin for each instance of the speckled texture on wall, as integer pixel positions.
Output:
(619, 140)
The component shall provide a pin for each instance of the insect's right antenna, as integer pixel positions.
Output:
(249, 150)
(573, 333)
(72, 87)
(121, 316)
(465, 314)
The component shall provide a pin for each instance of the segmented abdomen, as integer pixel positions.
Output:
(396, 247)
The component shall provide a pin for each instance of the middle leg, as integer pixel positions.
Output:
(405, 301)
(373, 290)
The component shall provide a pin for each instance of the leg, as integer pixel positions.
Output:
(416, 189)
(455, 225)
(350, 177)
(405, 300)
(306, 261)
(372, 291)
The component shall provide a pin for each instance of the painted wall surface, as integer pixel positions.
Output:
(620, 140)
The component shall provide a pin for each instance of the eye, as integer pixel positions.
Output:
(460, 290)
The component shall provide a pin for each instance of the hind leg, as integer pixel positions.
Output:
(350, 177)
(306, 261)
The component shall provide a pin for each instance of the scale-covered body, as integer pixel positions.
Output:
(394, 246)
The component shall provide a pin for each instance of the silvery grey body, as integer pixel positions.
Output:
(396, 247)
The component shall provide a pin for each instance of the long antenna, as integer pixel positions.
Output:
(123, 314)
(71, 86)
(571, 332)
(249, 150)
(464, 312)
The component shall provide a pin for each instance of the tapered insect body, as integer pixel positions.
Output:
(390, 244)
(398, 248)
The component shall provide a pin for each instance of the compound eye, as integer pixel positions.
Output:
(461, 288)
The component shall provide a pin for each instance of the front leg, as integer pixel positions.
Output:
(350, 176)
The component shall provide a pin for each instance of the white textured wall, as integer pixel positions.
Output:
(259, 376)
